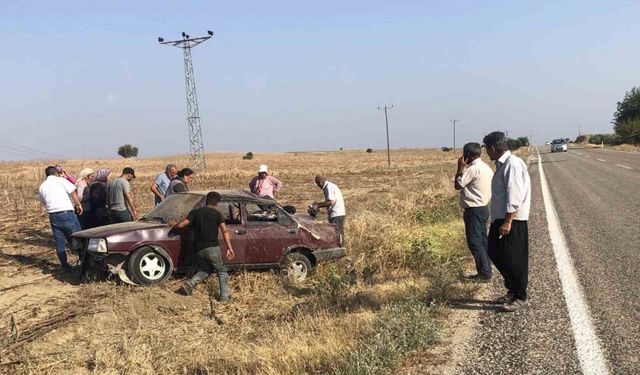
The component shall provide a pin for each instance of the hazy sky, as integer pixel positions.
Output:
(80, 78)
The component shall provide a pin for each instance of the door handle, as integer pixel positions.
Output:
(241, 231)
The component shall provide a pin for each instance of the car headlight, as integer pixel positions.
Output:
(98, 245)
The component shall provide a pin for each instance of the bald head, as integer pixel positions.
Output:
(320, 180)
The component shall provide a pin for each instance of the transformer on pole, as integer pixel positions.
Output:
(196, 147)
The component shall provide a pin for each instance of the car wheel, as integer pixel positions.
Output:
(297, 266)
(147, 267)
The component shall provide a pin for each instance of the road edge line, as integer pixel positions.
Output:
(590, 354)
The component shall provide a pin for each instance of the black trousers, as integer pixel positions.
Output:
(339, 222)
(510, 255)
(475, 229)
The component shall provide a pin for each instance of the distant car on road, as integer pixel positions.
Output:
(263, 235)
(558, 145)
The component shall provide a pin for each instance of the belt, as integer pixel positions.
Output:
(60, 212)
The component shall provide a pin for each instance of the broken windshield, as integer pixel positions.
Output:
(175, 207)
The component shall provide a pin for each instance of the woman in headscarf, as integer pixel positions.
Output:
(82, 189)
(180, 183)
(98, 199)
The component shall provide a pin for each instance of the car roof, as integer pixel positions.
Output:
(236, 195)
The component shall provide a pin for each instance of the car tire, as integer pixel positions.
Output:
(297, 267)
(147, 267)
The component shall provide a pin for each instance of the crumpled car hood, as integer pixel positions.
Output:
(112, 229)
(317, 229)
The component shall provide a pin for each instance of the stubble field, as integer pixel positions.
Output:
(364, 314)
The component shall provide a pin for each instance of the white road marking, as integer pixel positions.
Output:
(592, 360)
(623, 166)
(602, 160)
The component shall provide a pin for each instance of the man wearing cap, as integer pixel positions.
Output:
(265, 185)
(59, 197)
(119, 197)
(333, 202)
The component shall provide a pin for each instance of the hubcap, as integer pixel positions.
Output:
(152, 266)
(297, 270)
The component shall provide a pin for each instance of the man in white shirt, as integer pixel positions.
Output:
(59, 197)
(508, 245)
(333, 201)
(474, 184)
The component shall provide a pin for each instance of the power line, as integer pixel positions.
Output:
(196, 147)
(28, 151)
(386, 122)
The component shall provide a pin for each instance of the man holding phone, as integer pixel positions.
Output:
(474, 184)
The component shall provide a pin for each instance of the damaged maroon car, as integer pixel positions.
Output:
(263, 234)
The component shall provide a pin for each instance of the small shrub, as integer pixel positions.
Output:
(128, 151)
(445, 149)
(248, 156)
(369, 150)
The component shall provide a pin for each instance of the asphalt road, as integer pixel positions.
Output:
(596, 194)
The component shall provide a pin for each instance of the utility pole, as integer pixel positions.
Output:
(579, 130)
(196, 147)
(386, 122)
(454, 122)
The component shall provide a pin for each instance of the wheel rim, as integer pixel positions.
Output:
(152, 266)
(297, 270)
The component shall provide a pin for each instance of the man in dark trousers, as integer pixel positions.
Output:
(474, 184)
(509, 232)
(205, 222)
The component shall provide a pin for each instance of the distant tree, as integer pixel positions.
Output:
(248, 156)
(514, 144)
(128, 151)
(582, 139)
(369, 150)
(626, 119)
(524, 141)
(445, 149)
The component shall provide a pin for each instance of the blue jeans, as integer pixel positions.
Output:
(475, 227)
(208, 261)
(120, 216)
(63, 224)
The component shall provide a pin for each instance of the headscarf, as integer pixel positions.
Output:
(102, 174)
(84, 173)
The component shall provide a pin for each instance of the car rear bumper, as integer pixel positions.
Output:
(328, 254)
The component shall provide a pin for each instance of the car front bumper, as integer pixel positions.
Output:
(329, 254)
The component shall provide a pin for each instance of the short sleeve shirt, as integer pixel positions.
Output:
(205, 222)
(117, 189)
(333, 193)
(163, 183)
(54, 194)
(476, 185)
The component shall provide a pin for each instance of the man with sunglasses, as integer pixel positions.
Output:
(508, 246)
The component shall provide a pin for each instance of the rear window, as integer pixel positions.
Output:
(175, 207)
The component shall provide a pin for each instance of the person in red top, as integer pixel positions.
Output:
(265, 185)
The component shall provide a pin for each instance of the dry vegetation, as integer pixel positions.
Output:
(360, 315)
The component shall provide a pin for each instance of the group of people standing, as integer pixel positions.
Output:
(505, 197)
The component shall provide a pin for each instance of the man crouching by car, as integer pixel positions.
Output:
(205, 222)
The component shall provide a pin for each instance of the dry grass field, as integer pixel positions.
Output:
(362, 315)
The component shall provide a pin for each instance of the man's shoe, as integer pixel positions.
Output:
(515, 305)
(479, 278)
(507, 298)
(186, 289)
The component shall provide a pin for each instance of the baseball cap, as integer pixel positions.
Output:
(129, 170)
(262, 169)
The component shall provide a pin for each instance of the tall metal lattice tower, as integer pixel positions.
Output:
(196, 148)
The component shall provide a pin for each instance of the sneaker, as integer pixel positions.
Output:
(515, 305)
(186, 289)
(507, 298)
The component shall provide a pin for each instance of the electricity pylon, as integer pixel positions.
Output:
(196, 147)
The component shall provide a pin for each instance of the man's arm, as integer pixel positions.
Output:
(132, 207)
(76, 202)
(182, 224)
(155, 191)
(227, 241)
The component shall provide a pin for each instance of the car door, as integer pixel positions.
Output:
(270, 231)
(232, 213)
